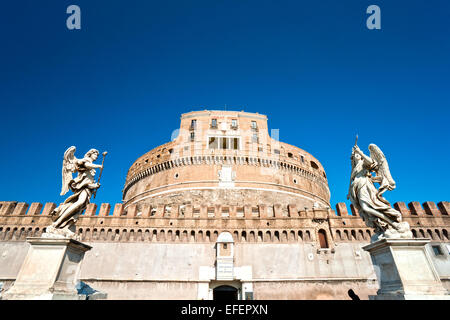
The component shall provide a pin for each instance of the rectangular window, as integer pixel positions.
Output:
(223, 143)
(193, 124)
(235, 143)
(276, 151)
(213, 143)
(233, 123)
(192, 136)
(255, 137)
(253, 124)
(214, 123)
(302, 158)
(225, 212)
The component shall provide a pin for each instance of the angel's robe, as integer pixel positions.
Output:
(78, 185)
(363, 191)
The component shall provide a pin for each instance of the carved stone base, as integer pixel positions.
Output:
(64, 233)
(50, 271)
(405, 270)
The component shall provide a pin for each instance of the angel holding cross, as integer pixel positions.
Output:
(375, 210)
(83, 186)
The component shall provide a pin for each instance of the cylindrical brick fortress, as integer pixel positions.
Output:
(226, 159)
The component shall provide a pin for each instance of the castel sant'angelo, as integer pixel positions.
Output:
(224, 210)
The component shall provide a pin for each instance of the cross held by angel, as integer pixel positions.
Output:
(82, 186)
(375, 210)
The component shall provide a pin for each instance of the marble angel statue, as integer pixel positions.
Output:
(83, 186)
(375, 210)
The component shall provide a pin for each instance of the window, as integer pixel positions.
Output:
(302, 158)
(213, 143)
(192, 136)
(235, 143)
(225, 246)
(323, 239)
(223, 143)
(276, 151)
(437, 251)
(233, 123)
(214, 123)
(255, 137)
(254, 125)
(225, 212)
(193, 124)
(314, 165)
(289, 155)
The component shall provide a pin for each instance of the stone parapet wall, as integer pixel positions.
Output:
(246, 223)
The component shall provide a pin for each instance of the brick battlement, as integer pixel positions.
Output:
(263, 223)
(414, 209)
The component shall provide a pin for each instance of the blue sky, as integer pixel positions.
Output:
(121, 82)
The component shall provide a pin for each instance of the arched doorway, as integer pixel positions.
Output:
(222, 293)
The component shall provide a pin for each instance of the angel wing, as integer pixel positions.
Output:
(68, 168)
(387, 183)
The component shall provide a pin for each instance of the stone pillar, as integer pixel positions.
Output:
(118, 210)
(35, 208)
(21, 209)
(104, 210)
(90, 210)
(50, 271)
(132, 211)
(48, 208)
(405, 270)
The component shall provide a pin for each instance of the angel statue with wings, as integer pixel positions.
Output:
(83, 186)
(375, 210)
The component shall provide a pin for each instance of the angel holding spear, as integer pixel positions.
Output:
(375, 210)
(83, 186)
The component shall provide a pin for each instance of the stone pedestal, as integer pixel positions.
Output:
(405, 270)
(50, 270)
